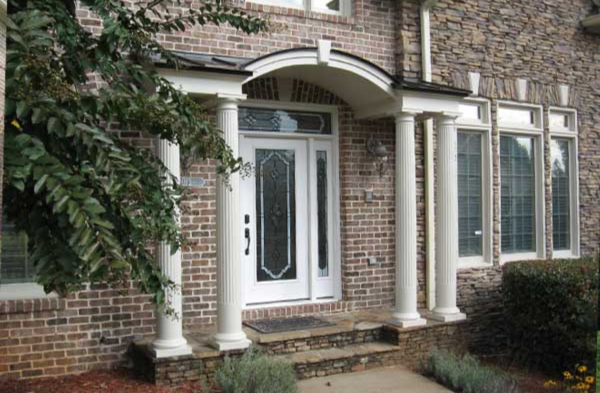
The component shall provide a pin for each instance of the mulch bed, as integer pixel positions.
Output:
(101, 381)
(529, 381)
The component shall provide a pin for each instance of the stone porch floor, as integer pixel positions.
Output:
(355, 321)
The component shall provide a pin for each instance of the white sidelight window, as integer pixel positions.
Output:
(565, 188)
(341, 7)
(521, 182)
(474, 184)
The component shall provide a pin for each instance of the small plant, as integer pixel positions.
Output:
(255, 372)
(466, 374)
(581, 380)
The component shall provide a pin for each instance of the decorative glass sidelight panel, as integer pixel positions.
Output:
(322, 214)
(561, 217)
(517, 181)
(276, 215)
(278, 120)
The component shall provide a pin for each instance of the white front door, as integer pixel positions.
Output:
(275, 217)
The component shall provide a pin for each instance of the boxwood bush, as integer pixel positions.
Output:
(550, 312)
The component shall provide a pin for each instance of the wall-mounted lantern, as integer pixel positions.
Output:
(379, 152)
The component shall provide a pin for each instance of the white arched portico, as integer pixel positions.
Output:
(372, 93)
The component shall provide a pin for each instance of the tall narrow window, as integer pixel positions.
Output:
(470, 199)
(561, 216)
(517, 179)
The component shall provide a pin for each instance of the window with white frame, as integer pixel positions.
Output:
(563, 156)
(521, 182)
(474, 183)
(341, 7)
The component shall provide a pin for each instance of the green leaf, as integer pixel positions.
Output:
(40, 183)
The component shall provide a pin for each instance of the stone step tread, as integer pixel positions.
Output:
(338, 328)
(322, 355)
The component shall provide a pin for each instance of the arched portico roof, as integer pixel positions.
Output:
(357, 81)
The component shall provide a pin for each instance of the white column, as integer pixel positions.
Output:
(405, 313)
(169, 340)
(229, 335)
(446, 260)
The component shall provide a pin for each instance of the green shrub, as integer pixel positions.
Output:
(255, 372)
(550, 312)
(465, 374)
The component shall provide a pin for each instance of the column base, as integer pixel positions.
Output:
(160, 351)
(448, 317)
(226, 342)
(407, 323)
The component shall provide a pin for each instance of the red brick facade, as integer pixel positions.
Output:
(502, 40)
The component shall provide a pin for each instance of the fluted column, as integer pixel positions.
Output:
(405, 313)
(169, 340)
(446, 253)
(229, 335)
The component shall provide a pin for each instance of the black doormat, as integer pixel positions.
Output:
(278, 325)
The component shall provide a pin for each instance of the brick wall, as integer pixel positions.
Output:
(502, 40)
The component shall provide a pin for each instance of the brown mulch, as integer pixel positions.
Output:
(529, 381)
(101, 381)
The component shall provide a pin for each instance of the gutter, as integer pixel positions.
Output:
(426, 6)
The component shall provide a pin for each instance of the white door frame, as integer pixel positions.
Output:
(329, 143)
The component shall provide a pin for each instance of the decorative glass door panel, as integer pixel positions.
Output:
(275, 215)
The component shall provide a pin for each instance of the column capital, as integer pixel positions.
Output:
(447, 118)
(408, 116)
(223, 98)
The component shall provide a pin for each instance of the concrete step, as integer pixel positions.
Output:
(351, 358)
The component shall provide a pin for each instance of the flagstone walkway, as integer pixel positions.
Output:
(385, 380)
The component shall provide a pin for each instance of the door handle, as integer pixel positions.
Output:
(247, 236)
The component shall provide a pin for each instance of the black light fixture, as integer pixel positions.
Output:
(379, 152)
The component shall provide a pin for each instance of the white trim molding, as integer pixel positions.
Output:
(568, 129)
(310, 57)
(534, 130)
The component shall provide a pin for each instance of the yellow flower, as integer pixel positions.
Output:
(582, 369)
(549, 384)
(590, 379)
(16, 124)
(567, 375)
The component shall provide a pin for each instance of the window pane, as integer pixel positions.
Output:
(520, 116)
(15, 266)
(517, 183)
(329, 5)
(276, 120)
(470, 216)
(561, 217)
(276, 215)
(559, 121)
(322, 214)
